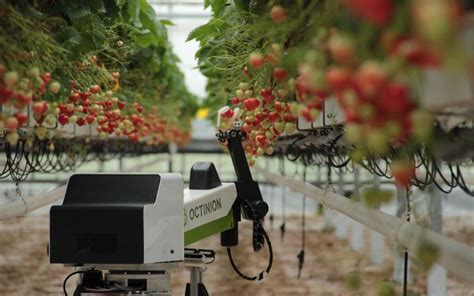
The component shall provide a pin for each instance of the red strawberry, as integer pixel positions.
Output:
(40, 108)
(377, 12)
(278, 14)
(256, 59)
(80, 121)
(11, 123)
(279, 107)
(22, 118)
(46, 77)
(403, 172)
(370, 78)
(251, 104)
(280, 74)
(260, 116)
(95, 89)
(235, 101)
(273, 116)
(338, 78)
(74, 97)
(395, 99)
(341, 48)
(23, 99)
(5, 94)
(63, 119)
(84, 95)
(62, 109)
(261, 139)
(228, 114)
(90, 119)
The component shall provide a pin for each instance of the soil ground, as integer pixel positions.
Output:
(24, 267)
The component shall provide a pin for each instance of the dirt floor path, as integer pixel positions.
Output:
(24, 267)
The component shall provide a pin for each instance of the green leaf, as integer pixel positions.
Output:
(97, 5)
(69, 38)
(242, 4)
(144, 40)
(77, 9)
(218, 6)
(97, 31)
(149, 20)
(207, 30)
(120, 3)
(133, 7)
(167, 23)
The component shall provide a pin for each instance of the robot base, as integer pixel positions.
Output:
(145, 280)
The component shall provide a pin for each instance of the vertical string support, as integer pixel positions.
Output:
(405, 262)
(271, 190)
(300, 255)
(18, 195)
(283, 201)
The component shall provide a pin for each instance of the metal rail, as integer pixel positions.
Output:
(456, 257)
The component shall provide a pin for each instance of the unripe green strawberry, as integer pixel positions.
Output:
(12, 138)
(290, 128)
(353, 133)
(54, 87)
(10, 78)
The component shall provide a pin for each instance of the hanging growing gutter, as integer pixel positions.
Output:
(456, 257)
(19, 207)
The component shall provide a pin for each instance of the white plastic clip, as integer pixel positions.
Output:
(219, 114)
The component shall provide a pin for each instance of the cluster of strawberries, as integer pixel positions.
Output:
(37, 93)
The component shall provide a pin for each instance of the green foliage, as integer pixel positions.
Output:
(241, 27)
(87, 40)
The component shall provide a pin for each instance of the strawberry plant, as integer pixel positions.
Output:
(293, 56)
(105, 63)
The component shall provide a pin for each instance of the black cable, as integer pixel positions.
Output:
(67, 278)
(271, 217)
(262, 274)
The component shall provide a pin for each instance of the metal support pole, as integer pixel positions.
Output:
(183, 164)
(377, 240)
(398, 264)
(101, 166)
(120, 164)
(195, 274)
(437, 276)
(357, 233)
(172, 148)
(342, 223)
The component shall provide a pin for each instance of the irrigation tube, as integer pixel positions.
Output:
(19, 208)
(456, 257)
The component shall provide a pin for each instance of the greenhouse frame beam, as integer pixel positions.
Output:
(455, 256)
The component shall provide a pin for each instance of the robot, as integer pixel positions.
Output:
(125, 233)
